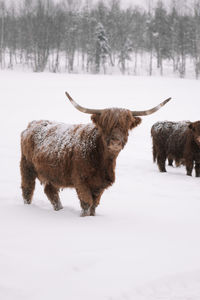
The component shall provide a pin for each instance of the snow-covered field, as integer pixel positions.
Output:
(144, 242)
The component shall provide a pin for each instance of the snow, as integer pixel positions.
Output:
(54, 138)
(168, 125)
(143, 244)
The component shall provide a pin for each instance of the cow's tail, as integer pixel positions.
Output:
(154, 154)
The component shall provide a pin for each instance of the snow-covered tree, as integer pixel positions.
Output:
(161, 35)
(124, 54)
(102, 47)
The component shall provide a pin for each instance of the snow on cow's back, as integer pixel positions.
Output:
(170, 126)
(57, 138)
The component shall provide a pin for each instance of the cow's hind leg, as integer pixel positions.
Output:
(189, 166)
(85, 197)
(161, 162)
(170, 161)
(53, 196)
(28, 176)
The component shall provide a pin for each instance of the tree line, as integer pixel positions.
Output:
(76, 36)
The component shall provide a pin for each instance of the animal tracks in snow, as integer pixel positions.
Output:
(184, 286)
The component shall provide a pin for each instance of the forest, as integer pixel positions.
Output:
(103, 37)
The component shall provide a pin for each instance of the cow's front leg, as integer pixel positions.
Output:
(85, 198)
(96, 199)
(85, 209)
(197, 169)
(28, 177)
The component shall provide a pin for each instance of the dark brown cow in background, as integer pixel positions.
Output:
(178, 141)
(168, 140)
(78, 156)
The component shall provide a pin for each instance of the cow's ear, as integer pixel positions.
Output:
(95, 118)
(191, 127)
(135, 122)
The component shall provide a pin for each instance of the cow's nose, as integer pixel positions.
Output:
(115, 145)
(198, 139)
(116, 142)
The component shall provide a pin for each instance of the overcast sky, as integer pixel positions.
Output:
(124, 3)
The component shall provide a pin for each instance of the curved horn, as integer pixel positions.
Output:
(99, 111)
(83, 109)
(149, 111)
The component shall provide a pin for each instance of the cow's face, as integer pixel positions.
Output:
(114, 125)
(195, 129)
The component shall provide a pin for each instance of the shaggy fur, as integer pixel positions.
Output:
(192, 149)
(78, 156)
(177, 141)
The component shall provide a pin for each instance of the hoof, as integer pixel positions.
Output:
(27, 202)
(58, 207)
(92, 212)
(85, 213)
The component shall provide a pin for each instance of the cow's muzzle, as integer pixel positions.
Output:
(115, 145)
(197, 139)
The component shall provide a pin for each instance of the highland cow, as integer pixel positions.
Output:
(76, 156)
(178, 141)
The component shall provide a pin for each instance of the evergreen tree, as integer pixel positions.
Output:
(102, 47)
(184, 41)
(149, 40)
(161, 35)
(71, 38)
(114, 14)
(137, 34)
(174, 23)
(124, 41)
(125, 54)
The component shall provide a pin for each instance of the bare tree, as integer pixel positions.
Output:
(41, 22)
(2, 34)
(196, 38)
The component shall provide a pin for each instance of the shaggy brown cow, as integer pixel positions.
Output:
(78, 156)
(179, 141)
